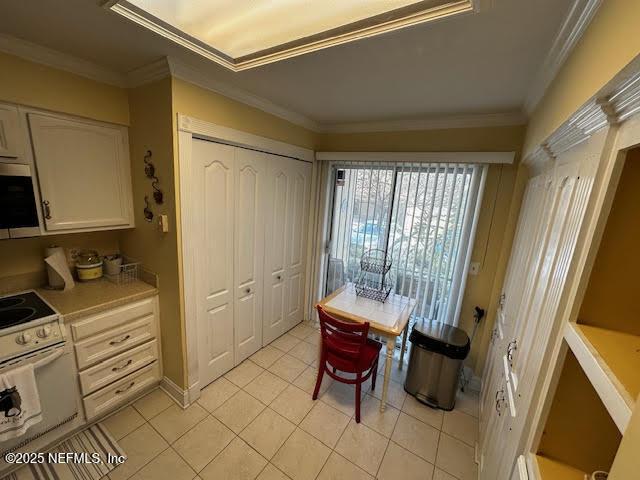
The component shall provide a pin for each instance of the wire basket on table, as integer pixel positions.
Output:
(375, 261)
(373, 286)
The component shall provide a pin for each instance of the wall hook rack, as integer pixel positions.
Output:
(150, 172)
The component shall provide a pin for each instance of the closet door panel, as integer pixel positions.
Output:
(276, 248)
(297, 218)
(213, 181)
(248, 251)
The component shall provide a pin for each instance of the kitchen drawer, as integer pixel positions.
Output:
(112, 318)
(115, 341)
(125, 389)
(108, 371)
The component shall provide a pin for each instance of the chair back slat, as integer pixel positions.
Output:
(342, 341)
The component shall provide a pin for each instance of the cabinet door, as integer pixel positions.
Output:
(10, 141)
(276, 247)
(297, 218)
(250, 173)
(213, 191)
(84, 173)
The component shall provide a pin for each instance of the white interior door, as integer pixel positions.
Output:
(278, 184)
(213, 190)
(250, 182)
(297, 217)
(287, 217)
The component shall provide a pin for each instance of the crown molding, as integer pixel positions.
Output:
(148, 73)
(576, 22)
(61, 61)
(620, 103)
(193, 75)
(430, 123)
(420, 12)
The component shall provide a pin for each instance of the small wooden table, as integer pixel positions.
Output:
(388, 319)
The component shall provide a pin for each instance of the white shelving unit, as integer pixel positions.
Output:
(607, 357)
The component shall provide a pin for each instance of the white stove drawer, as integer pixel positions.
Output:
(120, 392)
(115, 341)
(108, 371)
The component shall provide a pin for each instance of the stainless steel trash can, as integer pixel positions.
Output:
(437, 353)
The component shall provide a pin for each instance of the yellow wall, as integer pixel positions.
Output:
(610, 42)
(25, 256)
(151, 129)
(35, 85)
(627, 462)
(498, 214)
(579, 431)
(611, 297)
(189, 99)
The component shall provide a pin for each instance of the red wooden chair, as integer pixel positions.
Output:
(345, 347)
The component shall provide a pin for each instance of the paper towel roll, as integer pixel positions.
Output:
(57, 269)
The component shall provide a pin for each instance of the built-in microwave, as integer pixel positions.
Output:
(18, 211)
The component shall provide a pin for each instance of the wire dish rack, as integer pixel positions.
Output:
(129, 271)
(372, 281)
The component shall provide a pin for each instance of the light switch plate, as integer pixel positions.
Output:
(474, 268)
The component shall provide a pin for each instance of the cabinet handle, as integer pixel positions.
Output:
(117, 369)
(248, 290)
(115, 342)
(279, 277)
(119, 391)
(47, 209)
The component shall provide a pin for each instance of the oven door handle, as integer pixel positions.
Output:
(49, 359)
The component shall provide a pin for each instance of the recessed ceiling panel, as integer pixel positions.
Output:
(242, 34)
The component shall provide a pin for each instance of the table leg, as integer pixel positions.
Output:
(404, 346)
(391, 345)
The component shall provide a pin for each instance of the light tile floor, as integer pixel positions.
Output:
(259, 421)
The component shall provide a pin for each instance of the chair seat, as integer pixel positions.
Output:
(368, 355)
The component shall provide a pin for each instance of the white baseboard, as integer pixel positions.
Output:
(181, 397)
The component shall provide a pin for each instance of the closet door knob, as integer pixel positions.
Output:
(279, 277)
(248, 290)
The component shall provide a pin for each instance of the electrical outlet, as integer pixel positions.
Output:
(474, 268)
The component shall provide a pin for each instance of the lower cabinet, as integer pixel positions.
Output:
(117, 353)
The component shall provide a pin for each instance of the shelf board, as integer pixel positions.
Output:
(554, 470)
(611, 361)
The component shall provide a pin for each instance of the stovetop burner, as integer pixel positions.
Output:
(22, 308)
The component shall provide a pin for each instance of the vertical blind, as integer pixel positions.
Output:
(420, 214)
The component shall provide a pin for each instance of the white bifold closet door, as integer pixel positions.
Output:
(287, 220)
(250, 228)
(229, 185)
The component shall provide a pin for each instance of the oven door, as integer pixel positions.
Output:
(56, 379)
(18, 214)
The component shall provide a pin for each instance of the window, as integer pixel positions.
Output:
(421, 215)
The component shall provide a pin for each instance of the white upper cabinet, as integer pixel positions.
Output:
(83, 172)
(10, 138)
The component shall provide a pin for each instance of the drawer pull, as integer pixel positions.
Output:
(121, 367)
(123, 339)
(119, 391)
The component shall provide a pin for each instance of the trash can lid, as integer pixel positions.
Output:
(440, 338)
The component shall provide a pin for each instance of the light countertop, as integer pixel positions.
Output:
(88, 298)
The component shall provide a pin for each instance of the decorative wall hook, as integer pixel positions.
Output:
(149, 168)
(148, 214)
(157, 193)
